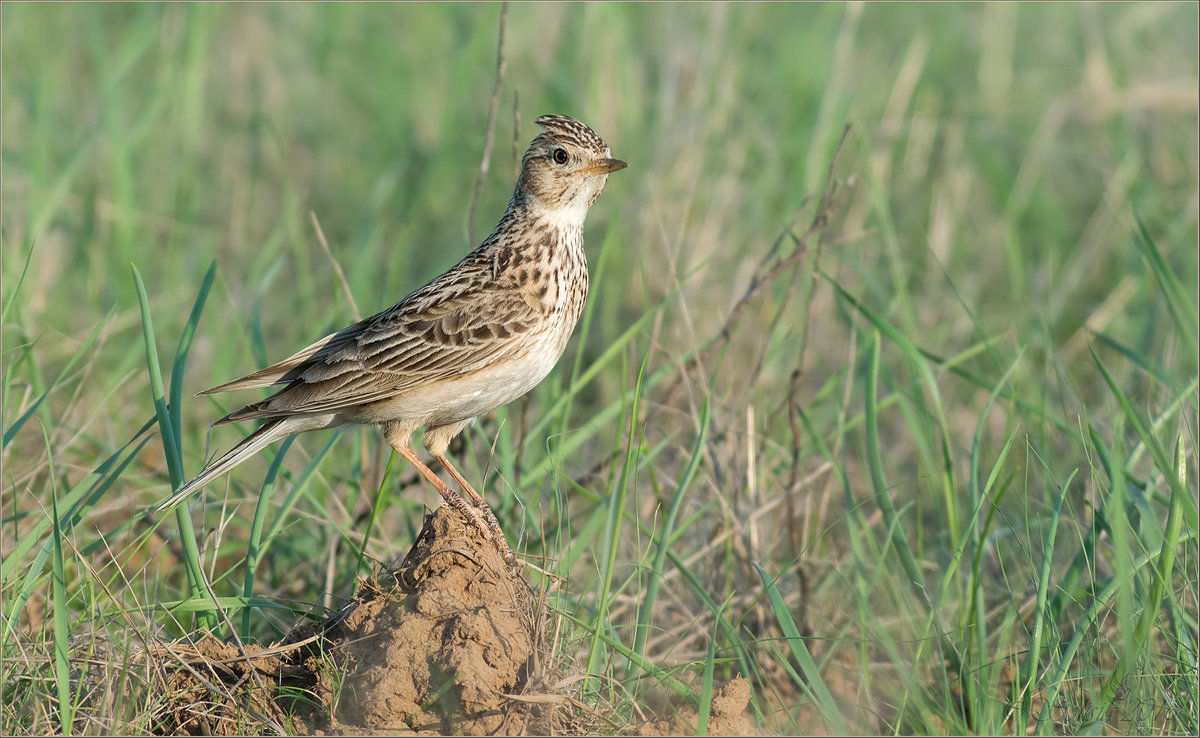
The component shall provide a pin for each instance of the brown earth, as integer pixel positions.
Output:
(441, 650)
(449, 642)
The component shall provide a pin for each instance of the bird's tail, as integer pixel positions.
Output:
(270, 431)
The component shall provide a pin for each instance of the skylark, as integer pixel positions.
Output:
(477, 337)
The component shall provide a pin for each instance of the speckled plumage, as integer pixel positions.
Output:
(477, 337)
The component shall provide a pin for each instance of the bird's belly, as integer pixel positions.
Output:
(460, 398)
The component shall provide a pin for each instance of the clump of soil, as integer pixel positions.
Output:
(441, 650)
(727, 716)
(445, 645)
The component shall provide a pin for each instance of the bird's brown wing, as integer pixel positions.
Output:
(458, 323)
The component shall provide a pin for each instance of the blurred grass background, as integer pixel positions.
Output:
(915, 433)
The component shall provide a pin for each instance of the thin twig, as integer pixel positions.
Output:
(337, 268)
(501, 63)
(793, 484)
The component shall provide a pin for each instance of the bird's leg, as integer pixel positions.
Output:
(398, 442)
(480, 504)
(475, 496)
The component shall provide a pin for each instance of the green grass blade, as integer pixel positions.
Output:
(1191, 511)
(580, 542)
(662, 675)
(814, 684)
(898, 536)
(40, 218)
(379, 500)
(657, 569)
(612, 528)
(1146, 363)
(254, 546)
(975, 618)
(875, 463)
(1035, 410)
(613, 351)
(214, 605)
(175, 406)
(80, 499)
(1165, 561)
(1182, 308)
(172, 450)
(1099, 605)
(16, 288)
(922, 365)
(911, 351)
(11, 431)
(299, 485)
(62, 631)
(974, 535)
(706, 689)
(166, 428)
(977, 613)
(1039, 612)
(77, 501)
(1184, 658)
(583, 331)
(1185, 399)
(853, 510)
(1087, 552)
(741, 653)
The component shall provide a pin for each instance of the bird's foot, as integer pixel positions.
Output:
(471, 513)
(485, 520)
(496, 534)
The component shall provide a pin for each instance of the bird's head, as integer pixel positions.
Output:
(565, 167)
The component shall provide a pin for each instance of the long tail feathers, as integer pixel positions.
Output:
(258, 440)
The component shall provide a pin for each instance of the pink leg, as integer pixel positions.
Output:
(473, 514)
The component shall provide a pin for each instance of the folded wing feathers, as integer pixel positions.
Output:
(386, 353)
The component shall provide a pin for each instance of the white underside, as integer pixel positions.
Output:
(455, 400)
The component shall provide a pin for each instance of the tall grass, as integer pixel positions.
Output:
(927, 466)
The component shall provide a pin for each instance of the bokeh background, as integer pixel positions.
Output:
(990, 338)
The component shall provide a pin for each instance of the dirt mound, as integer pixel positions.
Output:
(439, 651)
(446, 644)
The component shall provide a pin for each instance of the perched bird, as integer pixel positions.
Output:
(477, 337)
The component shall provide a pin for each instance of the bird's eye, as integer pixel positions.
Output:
(560, 156)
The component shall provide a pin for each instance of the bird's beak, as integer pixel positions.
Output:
(605, 166)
